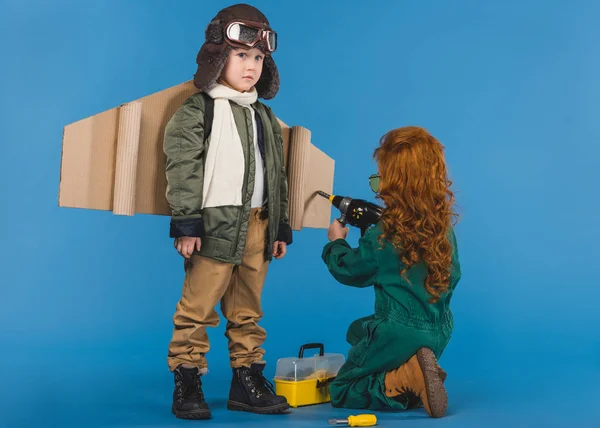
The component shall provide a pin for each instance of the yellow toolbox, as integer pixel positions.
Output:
(305, 381)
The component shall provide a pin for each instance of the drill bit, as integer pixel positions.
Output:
(325, 195)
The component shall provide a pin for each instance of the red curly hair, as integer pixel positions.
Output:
(418, 202)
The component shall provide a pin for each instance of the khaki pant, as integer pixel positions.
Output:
(238, 288)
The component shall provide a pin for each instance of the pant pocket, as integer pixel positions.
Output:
(359, 352)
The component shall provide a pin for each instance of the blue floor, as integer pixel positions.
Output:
(102, 388)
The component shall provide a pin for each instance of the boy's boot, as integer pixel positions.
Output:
(188, 398)
(418, 380)
(251, 392)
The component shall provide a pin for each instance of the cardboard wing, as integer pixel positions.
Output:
(114, 161)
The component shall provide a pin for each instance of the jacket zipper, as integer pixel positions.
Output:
(244, 189)
(269, 242)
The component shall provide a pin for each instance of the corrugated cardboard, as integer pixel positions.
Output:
(114, 161)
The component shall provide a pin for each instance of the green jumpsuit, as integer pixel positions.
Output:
(403, 322)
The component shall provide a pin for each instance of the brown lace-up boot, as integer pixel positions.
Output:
(419, 380)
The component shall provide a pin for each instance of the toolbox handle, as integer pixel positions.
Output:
(311, 346)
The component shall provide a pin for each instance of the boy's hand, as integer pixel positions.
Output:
(185, 245)
(279, 249)
(336, 231)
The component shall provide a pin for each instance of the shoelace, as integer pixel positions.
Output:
(187, 388)
(261, 383)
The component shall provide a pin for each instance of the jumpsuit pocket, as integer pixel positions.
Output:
(359, 352)
(356, 331)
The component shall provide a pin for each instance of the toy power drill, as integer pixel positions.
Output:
(355, 212)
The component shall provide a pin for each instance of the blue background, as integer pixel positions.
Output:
(511, 88)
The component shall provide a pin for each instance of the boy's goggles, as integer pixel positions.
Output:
(248, 34)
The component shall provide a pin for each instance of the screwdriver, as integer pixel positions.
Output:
(356, 421)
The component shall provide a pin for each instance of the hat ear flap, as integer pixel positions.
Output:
(268, 84)
(211, 60)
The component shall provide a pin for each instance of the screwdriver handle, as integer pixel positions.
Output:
(364, 420)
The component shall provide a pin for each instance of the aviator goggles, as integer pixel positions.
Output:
(249, 33)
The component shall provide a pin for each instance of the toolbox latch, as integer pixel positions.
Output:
(325, 382)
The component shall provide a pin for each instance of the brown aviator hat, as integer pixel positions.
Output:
(240, 25)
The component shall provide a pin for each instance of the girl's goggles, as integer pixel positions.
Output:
(374, 181)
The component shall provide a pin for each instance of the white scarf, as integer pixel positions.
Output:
(224, 164)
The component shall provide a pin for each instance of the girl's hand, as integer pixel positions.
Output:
(337, 231)
(185, 245)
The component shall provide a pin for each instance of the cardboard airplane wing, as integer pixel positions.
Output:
(114, 161)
